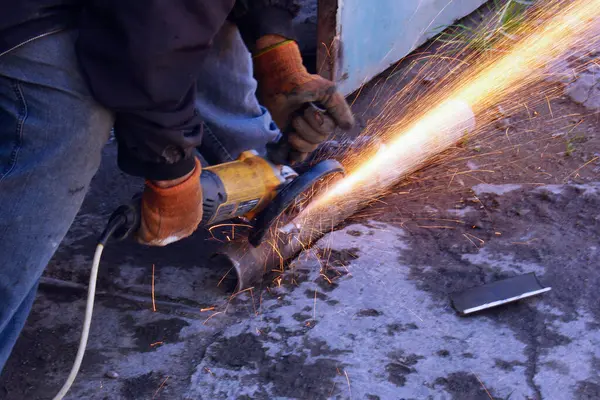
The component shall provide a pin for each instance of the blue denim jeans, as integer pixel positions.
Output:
(227, 101)
(51, 135)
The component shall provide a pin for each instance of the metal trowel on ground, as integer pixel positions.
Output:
(497, 293)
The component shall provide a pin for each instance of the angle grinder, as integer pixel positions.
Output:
(251, 187)
(257, 189)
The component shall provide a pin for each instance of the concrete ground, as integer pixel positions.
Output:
(365, 313)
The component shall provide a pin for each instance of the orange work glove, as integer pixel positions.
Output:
(171, 213)
(285, 87)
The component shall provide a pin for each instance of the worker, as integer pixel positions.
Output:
(170, 76)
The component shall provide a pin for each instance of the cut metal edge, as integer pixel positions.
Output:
(500, 302)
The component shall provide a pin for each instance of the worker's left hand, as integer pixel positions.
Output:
(171, 210)
(285, 87)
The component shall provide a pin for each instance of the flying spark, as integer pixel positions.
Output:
(448, 120)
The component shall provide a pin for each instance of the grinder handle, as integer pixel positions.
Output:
(124, 221)
(281, 152)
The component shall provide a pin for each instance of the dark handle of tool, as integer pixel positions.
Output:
(282, 152)
(124, 221)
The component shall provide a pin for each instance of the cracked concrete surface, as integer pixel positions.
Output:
(384, 327)
(382, 334)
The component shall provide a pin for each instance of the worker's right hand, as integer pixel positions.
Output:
(171, 210)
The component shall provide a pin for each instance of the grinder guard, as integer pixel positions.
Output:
(288, 195)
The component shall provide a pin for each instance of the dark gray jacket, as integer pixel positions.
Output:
(140, 58)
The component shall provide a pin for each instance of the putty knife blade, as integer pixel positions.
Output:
(497, 293)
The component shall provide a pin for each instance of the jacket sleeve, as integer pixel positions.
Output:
(256, 18)
(140, 58)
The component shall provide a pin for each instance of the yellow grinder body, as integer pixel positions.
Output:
(251, 186)
(243, 187)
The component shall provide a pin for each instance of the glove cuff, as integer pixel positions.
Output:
(184, 192)
(279, 68)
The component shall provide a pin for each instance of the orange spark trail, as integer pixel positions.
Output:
(439, 128)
